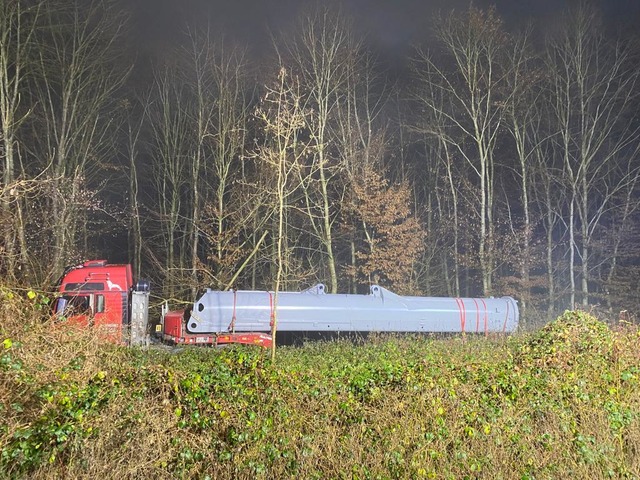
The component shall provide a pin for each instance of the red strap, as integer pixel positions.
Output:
(463, 313)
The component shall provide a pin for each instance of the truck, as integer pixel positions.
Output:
(103, 295)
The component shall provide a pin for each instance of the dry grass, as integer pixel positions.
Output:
(560, 403)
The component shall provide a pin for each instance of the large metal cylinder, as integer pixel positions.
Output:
(381, 311)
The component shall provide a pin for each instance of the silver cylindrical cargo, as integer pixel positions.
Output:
(381, 311)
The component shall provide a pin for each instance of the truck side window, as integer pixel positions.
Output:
(74, 305)
(99, 304)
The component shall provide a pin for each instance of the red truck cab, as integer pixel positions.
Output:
(97, 294)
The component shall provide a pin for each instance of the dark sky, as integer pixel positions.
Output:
(391, 25)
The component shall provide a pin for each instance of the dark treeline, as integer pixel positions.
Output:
(498, 162)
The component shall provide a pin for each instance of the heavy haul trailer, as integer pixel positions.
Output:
(110, 298)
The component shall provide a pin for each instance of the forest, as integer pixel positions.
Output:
(493, 160)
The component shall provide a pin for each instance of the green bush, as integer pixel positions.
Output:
(562, 402)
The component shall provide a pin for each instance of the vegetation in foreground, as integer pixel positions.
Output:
(562, 402)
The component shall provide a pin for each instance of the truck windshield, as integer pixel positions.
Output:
(69, 305)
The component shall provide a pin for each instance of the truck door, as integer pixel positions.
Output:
(89, 304)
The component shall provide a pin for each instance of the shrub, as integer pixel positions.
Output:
(562, 402)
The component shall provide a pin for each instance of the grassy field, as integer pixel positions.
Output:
(562, 402)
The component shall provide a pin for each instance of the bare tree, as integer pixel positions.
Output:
(616, 241)
(473, 92)
(197, 73)
(171, 146)
(283, 117)
(594, 90)
(322, 55)
(523, 119)
(440, 163)
(17, 27)
(223, 141)
(133, 137)
(80, 70)
(359, 133)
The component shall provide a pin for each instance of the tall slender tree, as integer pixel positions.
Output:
(283, 117)
(79, 73)
(471, 79)
(321, 56)
(171, 148)
(18, 23)
(594, 89)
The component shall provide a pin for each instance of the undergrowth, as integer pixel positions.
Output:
(562, 402)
